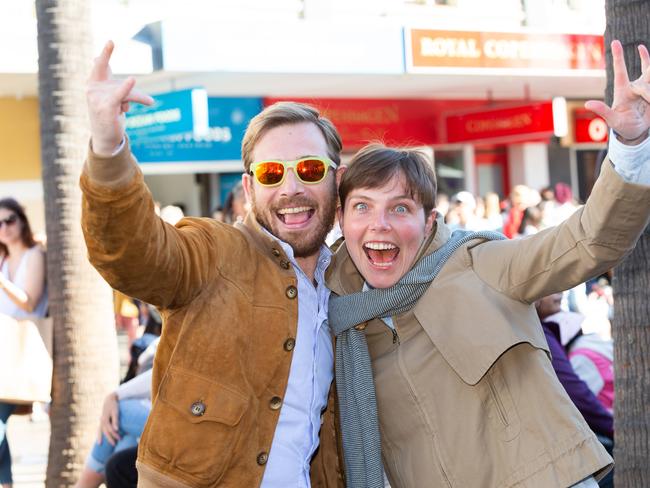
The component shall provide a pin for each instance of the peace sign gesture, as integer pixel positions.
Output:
(629, 115)
(108, 100)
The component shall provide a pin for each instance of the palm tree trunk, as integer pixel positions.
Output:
(627, 20)
(85, 347)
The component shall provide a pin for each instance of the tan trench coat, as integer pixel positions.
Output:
(468, 398)
(229, 304)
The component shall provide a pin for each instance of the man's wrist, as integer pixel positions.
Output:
(106, 150)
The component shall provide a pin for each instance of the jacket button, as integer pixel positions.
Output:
(275, 252)
(197, 409)
(275, 403)
(284, 264)
(291, 292)
(289, 344)
(262, 458)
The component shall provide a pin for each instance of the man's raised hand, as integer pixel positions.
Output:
(108, 100)
(629, 115)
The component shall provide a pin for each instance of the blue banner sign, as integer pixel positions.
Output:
(183, 112)
(228, 119)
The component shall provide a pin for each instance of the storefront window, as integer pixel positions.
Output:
(449, 171)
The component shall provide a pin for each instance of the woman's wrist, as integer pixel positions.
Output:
(631, 142)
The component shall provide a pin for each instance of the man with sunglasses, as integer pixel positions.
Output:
(242, 376)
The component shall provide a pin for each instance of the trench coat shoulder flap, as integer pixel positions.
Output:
(200, 399)
(471, 323)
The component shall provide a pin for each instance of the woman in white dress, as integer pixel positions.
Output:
(23, 293)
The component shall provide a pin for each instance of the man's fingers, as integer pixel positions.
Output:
(122, 92)
(140, 97)
(618, 61)
(101, 69)
(601, 109)
(125, 93)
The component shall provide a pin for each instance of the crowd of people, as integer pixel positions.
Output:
(524, 212)
(453, 360)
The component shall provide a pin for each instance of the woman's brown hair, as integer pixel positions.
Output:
(26, 234)
(375, 164)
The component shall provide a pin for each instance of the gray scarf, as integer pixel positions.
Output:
(354, 381)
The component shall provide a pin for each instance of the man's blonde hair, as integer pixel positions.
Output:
(287, 113)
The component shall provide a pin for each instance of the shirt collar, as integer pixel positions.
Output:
(324, 256)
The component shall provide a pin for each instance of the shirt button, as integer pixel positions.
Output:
(262, 458)
(275, 252)
(197, 409)
(275, 403)
(289, 344)
(291, 292)
(284, 264)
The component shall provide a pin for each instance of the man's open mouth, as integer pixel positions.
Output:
(381, 254)
(295, 215)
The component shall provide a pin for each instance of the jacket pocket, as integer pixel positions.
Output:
(503, 410)
(193, 424)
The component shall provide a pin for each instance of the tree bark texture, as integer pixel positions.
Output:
(632, 367)
(85, 346)
(629, 22)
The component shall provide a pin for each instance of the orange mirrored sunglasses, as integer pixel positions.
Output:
(309, 170)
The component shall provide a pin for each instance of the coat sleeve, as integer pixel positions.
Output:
(594, 239)
(132, 248)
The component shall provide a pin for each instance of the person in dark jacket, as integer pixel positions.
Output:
(598, 418)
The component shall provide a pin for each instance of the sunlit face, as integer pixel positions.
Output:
(9, 232)
(301, 215)
(384, 229)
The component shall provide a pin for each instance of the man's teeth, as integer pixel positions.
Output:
(380, 246)
(293, 210)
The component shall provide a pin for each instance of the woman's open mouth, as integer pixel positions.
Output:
(381, 254)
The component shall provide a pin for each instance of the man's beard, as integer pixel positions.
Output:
(303, 244)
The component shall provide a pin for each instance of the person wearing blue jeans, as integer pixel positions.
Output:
(133, 414)
(6, 409)
(123, 418)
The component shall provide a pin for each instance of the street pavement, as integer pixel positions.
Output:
(29, 442)
(29, 439)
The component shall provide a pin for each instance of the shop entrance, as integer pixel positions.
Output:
(588, 162)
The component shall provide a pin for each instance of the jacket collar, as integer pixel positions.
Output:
(262, 240)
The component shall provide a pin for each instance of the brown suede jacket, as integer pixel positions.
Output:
(230, 310)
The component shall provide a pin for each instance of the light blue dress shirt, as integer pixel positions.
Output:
(631, 162)
(312, 371)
